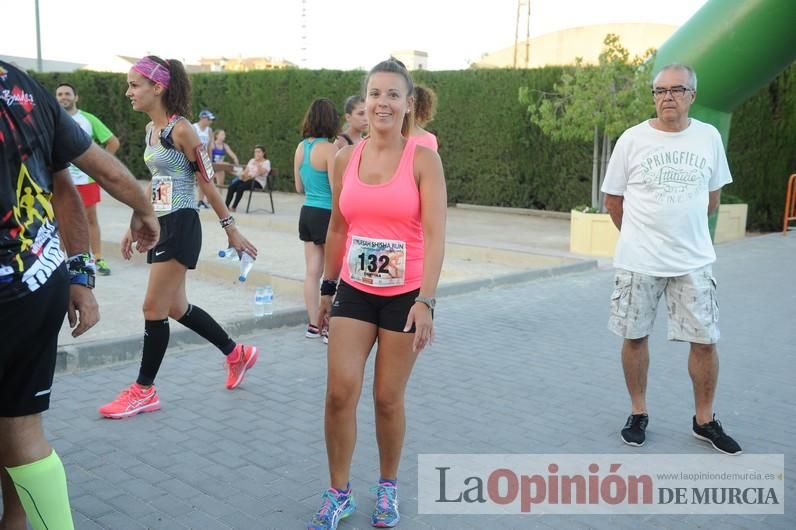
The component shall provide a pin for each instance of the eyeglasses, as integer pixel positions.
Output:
(677, 92)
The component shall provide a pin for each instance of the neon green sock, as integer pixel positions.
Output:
(42, 489)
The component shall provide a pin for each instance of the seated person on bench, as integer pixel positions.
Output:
(254, 175)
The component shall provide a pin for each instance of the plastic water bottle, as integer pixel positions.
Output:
(259, 302)
(263, 301)
(268, 300)
(227, 253)
(246, 264)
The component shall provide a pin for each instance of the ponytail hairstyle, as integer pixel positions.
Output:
(425, 104)
(177, 94)
(394, 66)
(350, 103)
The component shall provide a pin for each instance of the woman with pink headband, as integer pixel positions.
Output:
(176, 159)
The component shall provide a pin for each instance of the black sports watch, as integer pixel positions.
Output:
(82, 278)
(428, 300)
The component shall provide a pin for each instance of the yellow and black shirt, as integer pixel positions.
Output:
(37, 138)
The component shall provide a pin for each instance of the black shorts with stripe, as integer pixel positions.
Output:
(29, 347)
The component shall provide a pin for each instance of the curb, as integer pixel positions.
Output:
(94, 354)
(468, 286)
(513, 210)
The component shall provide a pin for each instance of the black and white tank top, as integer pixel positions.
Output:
(172, 177)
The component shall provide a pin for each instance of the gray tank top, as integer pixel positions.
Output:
(172, 186)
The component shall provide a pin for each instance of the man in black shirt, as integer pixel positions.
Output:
(38, 285)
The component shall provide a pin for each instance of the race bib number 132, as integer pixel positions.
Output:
(377, 262)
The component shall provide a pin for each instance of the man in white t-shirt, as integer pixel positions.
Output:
(664, 178)
(66, 95)
(205, 132)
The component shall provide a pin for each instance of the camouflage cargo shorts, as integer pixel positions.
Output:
(690, 300)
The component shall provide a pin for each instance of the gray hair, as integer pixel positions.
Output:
(692, 77)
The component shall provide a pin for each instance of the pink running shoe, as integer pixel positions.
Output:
(131, 401)
(245, 357)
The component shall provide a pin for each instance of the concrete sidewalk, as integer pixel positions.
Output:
(526, 368)
(483, 248)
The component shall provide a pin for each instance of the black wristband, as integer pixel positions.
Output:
(328, 287)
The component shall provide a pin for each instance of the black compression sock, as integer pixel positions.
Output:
(156, 340)
(203, 324)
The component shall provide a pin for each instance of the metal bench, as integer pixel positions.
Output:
(269, 189)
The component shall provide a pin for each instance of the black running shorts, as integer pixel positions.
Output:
(29, 345)
(387, 312)
(180, 238)
(313, 224)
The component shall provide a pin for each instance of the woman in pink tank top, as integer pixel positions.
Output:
(385, 245)
(425, 107)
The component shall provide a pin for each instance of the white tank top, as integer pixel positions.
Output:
(204, 136)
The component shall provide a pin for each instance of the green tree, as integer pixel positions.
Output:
(595, 103)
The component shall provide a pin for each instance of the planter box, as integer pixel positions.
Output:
(592, 233)
(731, 224)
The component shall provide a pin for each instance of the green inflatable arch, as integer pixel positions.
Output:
(736, 47)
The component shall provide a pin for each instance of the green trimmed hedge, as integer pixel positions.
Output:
(762, 150)
(491, 152)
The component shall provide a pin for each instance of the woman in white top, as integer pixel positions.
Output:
(254, 175)
(205, 133)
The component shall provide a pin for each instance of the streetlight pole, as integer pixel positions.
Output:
(520, 5)
(38, 40)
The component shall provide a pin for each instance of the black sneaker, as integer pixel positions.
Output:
(633, 433)
(713, 432)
